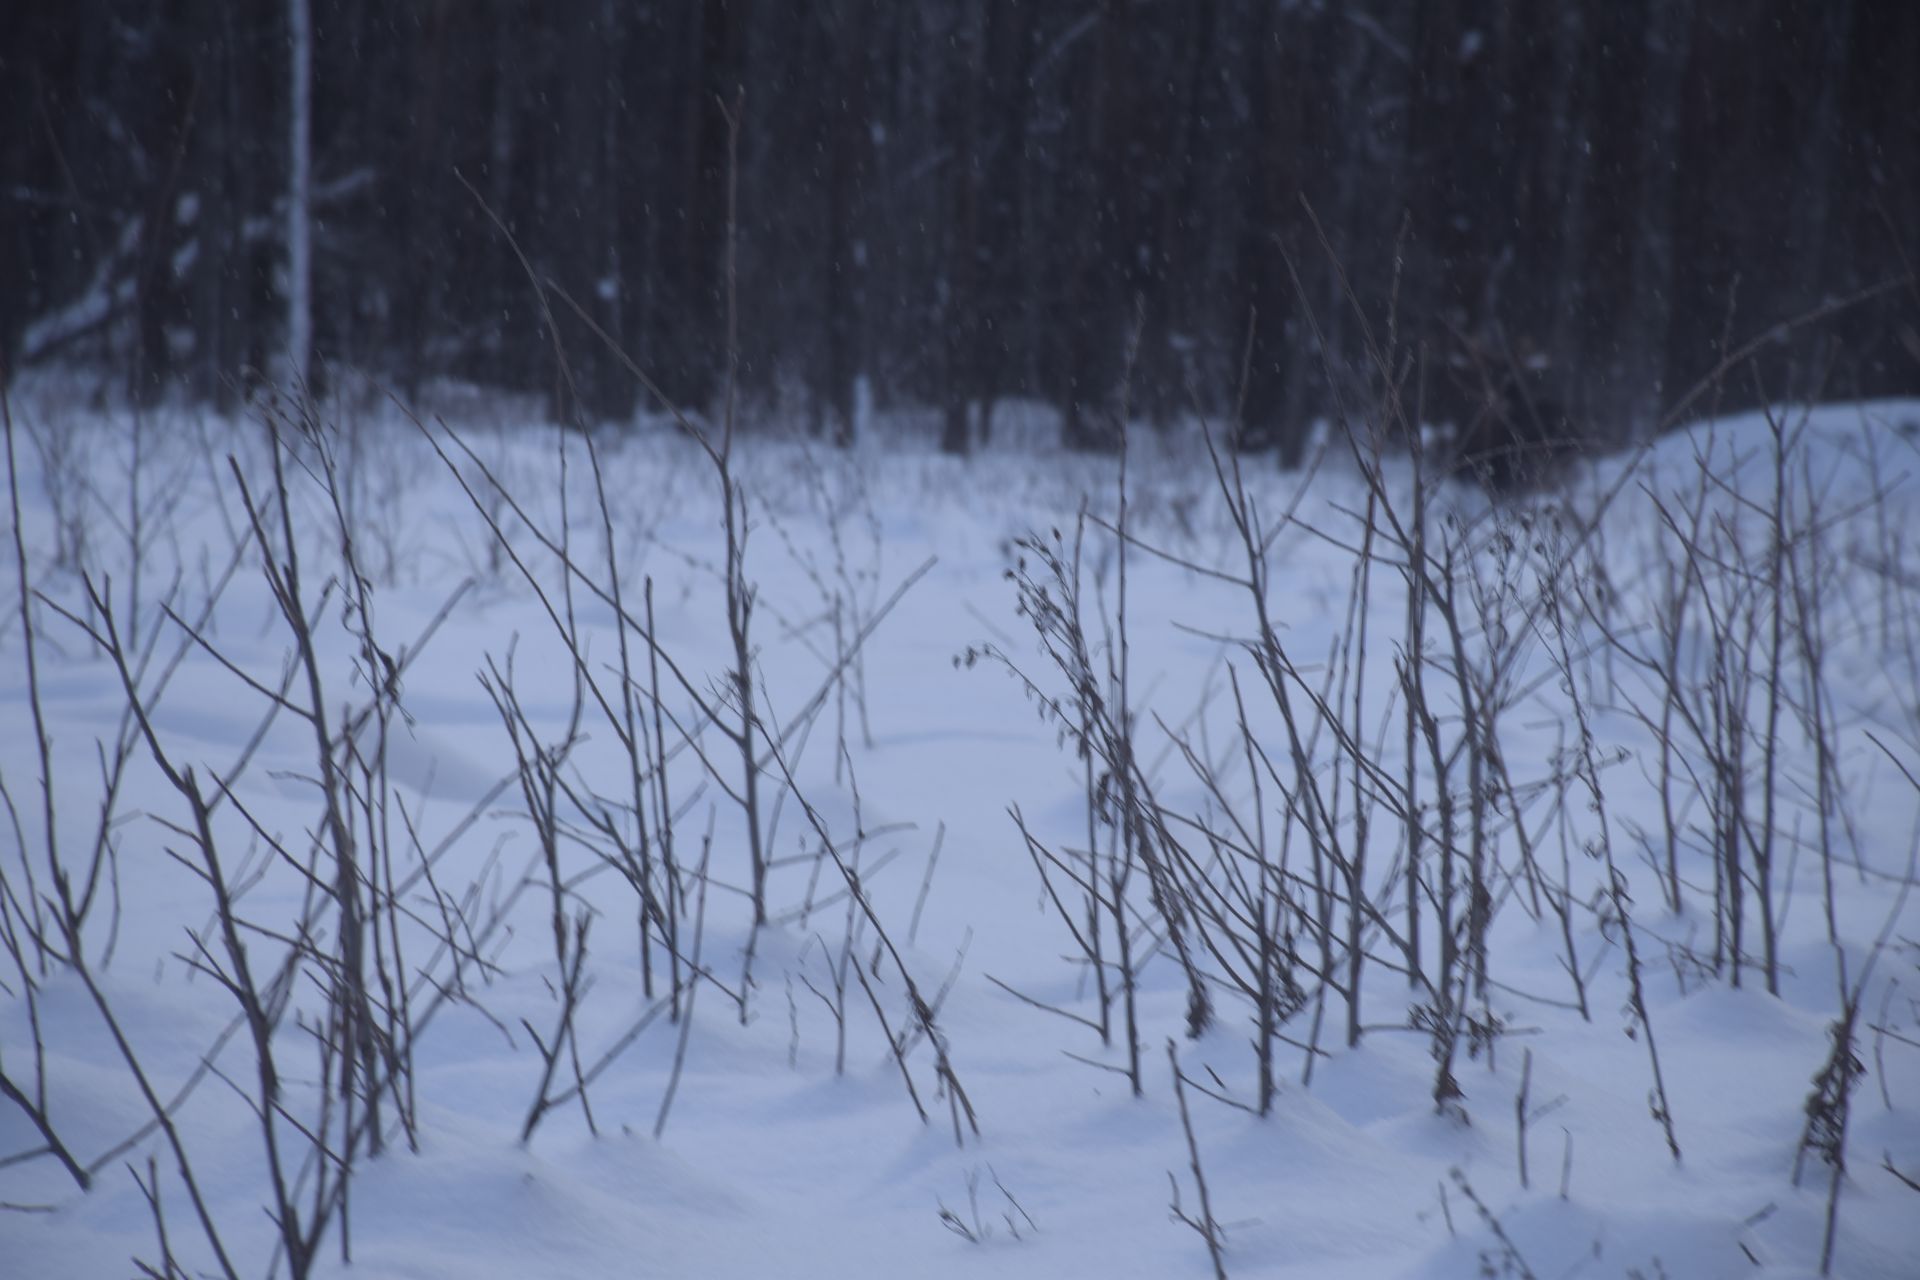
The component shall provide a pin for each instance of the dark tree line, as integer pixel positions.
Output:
(962, 202)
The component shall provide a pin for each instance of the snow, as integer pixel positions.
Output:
(771, 1163)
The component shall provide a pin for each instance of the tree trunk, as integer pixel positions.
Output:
(300, 193)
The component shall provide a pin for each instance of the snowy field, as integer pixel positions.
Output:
(1500, 916)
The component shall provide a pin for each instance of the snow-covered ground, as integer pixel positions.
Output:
(769, 1160)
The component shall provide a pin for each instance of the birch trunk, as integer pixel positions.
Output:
(300, 194)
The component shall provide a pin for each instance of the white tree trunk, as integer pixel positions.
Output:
(299, 194)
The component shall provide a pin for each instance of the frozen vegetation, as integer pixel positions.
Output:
(466, 848)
